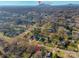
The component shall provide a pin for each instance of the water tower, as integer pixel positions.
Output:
(40, 2)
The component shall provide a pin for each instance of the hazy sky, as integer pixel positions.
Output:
(36, 2)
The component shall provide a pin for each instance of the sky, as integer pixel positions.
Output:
(2, 3)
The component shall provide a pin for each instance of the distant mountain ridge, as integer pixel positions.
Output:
(47, 6)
